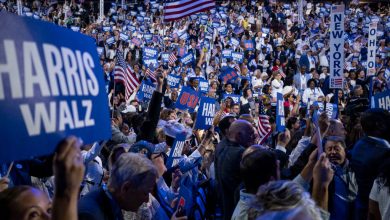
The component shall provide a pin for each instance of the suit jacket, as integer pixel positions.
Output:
(297, 80)
(97, 206)
(227, 171)
(367, 156)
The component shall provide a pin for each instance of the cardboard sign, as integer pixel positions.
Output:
(173, 81)
(186, 59)
(238, 57)
(228, 74)
(145, 91)
(227, 53)
(280, 120)
(236, 98)
(176, 150)
(203, 85)
(206, 112)
(51, 87)
(382, 100)
(188, 99)
(336, 75)
(149, 52)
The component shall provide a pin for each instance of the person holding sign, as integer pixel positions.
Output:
(23, 202)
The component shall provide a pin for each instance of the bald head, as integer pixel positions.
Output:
(336, 128)
(242, 132)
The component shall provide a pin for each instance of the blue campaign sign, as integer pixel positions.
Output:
(203, 85)
(54, 88)
(176, 150)
(227, 53)
(248, 44)
(173, 81)
(238, 57)
(206, 111)
(188, 99)
(148, 37)
(150, 61)
(150, 52)
(145, 91)
(165, 57)
(280, 120)
(236, 98)
(234, 42)
(382, 100)
(186, 59)
(331, 110)
(228, 74)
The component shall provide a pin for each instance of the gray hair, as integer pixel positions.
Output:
(280, 196)
(130, 167)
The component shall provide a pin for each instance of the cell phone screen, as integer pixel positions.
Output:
(180, 208)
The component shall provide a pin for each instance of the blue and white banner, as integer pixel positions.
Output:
(280, 120)
(145, 91)
(236, 98)
(176, 150)
(53, 87)
(227, 53)
(203, 85)
(188, 99)
(382, 100)
(110, 40)
(186, 59)
(123, 37)
(106, 28)
(150, 62)
(216, 24)
(148, 37)
(173, 81)
(371, 49)
(331, 110)
(234, 42)
(206, 111)
(228, 74)
(150, 52)
(165, 57)
(238, 57)
(336, 47)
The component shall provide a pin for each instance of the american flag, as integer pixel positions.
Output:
(124, 74)
(177, 9)
(151, 73)
(336, 83)
(172, 59)
(337, 9)
(263, 125)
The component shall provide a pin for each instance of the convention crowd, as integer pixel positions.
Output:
(321, 166)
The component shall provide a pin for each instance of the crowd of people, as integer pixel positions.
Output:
(331, 167)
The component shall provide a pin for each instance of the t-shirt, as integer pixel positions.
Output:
(380, 194)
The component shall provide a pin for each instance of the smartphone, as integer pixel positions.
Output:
(180, 208)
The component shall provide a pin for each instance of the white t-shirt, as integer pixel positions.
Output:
(381, 196)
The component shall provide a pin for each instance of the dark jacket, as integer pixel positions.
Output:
(96, 205)
(367, 156)
(148, 128)
(227, 171)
